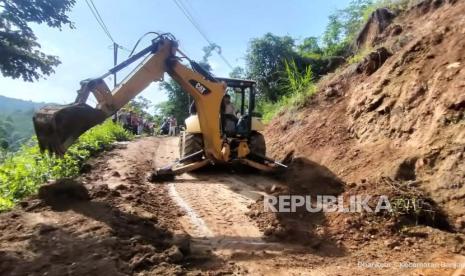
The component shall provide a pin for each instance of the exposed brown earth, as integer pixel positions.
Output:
(112, 221)
(397, 115)
(392, 125)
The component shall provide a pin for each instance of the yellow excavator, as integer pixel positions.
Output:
(205, 139)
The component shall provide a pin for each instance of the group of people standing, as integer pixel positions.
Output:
(169, 126)
(134, 123)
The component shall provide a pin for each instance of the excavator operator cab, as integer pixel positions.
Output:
(242, 96)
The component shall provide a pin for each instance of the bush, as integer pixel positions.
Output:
(300, 87)
(296, 100)
(296, 81)
(22, 172)
(360, 55)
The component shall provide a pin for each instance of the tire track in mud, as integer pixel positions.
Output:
(215, 206)
(199, 226)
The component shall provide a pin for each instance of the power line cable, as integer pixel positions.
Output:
(99, 19)
(191, 19)
(197, 26)
(225, 61)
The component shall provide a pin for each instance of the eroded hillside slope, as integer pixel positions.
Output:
(398, 114)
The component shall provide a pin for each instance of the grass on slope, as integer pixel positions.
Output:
(299, 86)
(22, 172)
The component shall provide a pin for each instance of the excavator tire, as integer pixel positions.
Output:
(190, 143)
(257, 144)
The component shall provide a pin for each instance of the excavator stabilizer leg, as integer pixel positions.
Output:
(58, 126)
(168, 173)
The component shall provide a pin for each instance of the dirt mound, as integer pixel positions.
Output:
(398, 114)
(304, 176)
(416, 220)
(63, 193)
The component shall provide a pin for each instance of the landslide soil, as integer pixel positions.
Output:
(392, 124)
(398, 114)
(111, 221)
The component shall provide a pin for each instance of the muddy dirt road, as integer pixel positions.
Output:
(215, 206)
(112, 221)
(216, 214)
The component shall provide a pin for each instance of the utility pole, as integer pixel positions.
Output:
(115, 61)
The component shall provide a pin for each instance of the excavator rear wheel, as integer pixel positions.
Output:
(190, 143)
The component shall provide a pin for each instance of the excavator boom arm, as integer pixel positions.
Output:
(57, 127)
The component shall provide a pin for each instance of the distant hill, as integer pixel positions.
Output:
(16, 121)
(9, 105)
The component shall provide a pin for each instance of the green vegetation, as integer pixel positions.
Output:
(281, 65)
(299, 87)
(21, 55)
(179, 101)
(15, 122)
(15, 129)
(265, 64)
(359, 56)
(295, 100)
(286, 68)
(297, 81)
(269, 56)
(22, 172)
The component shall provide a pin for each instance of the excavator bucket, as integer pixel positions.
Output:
(58, 126)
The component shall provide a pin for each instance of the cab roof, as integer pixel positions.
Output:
(240, 83)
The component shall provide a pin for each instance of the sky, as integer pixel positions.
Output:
(87, 52)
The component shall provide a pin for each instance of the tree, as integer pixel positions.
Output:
(163, 110)
(310, 45)
(333, 32)
(238, 73)
(20, 56)
(343, 26)
(140, 105)
(179, 101)
(207, 51)
(354, 17)
(265, 63)
(4, 137)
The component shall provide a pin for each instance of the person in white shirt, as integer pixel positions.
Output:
(173, 126)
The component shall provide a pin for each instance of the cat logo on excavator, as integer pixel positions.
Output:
(200, 87)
